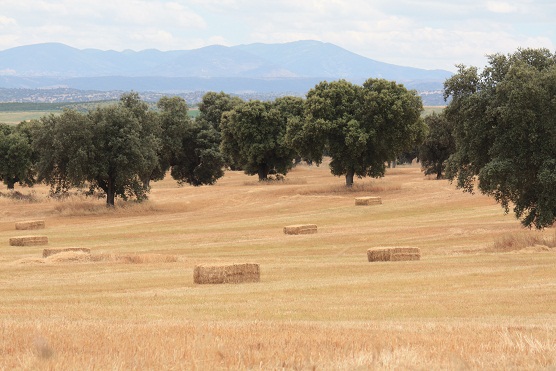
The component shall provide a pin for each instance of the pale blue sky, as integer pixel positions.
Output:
(427, 34)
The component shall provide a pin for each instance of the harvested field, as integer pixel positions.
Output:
(29, 241)
(227, 273)
(300, 229)
(469, 303)
(31, 224)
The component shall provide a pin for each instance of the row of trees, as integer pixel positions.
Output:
(119, 149)
(499, 128)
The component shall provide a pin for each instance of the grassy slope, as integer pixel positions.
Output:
(319, 302)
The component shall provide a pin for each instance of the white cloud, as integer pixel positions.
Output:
(500, 7)
(7, 21)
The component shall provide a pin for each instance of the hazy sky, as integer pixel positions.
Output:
(420, 33)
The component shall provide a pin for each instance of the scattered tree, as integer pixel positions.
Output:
(16, 157)
(438, 145)
(108, 148)
(360, 127)
(253, 139)
(189, 148)
(505, 129)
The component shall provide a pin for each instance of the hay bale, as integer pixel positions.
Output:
(232, 273)
(47, 252)
(300, 229)
(405, 257)
(365, 201)
(30, 224)
(393, 254)
(29, 241)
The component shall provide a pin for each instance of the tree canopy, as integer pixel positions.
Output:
(504, 121)
(109, 148)
(189, 148)
(120, 148)
(213, 105)
(253, 138)
(16, 157)
(360, 127)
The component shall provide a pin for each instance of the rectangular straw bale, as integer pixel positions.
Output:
(30, 224)
(404, 257)
(393, 254)
(364, 201)
(47, 252)
(28, 241)
(300, 229)
(232, 273)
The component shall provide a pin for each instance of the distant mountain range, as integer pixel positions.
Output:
(291, 67)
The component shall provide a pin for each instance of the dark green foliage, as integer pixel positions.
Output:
(16, 157)
(253, 138)
(213, 105)
(111, 149)
(505, 128)
(120, 148)
(211, 108)
(189, 148)
(360, 127)
(438, 145)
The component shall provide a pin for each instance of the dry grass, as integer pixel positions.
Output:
(276, 182)
(19, 196)
(319, 304)
(144, 258)
(81, 255)
(360, 188)
(522, 240)
(47, 252)
(85, 206)
(247, 345)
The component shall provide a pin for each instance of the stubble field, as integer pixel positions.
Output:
(475, 300)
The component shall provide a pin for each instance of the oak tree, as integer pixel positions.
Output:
(359, 127)
(108, 148)
(253, 139)
(504, 121)
(16, 157)
(190, 149)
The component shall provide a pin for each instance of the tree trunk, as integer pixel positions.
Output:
(110, 198)
(110, 193)
(11, 184)
(263, 172)
(349, 178)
